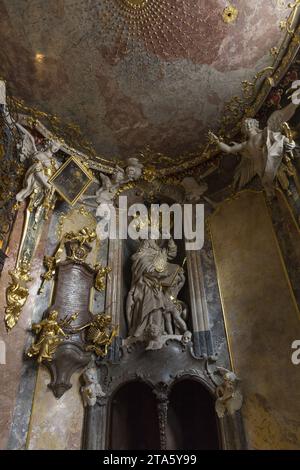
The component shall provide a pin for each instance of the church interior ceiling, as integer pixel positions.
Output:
(134, 73)
(108, 307)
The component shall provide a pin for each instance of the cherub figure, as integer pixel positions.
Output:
(263, 150)
(91, 388)
(100, 335)
(109, 187)
(37, 175)
(51, 334)
(106, 193)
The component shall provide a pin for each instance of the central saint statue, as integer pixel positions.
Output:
(152, 307)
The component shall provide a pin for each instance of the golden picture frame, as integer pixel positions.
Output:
(71, 180)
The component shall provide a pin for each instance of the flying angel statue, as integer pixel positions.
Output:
(263, 150)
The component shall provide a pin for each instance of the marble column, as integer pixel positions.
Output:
(203, 345)
(114, 288)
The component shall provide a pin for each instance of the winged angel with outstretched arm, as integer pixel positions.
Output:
(263, 150)
(37, 175)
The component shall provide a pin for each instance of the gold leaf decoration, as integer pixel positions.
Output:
(230, 14)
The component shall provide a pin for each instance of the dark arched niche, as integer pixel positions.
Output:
(133, 422)
(192, 421)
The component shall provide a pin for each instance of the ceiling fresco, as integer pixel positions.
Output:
(133, 73)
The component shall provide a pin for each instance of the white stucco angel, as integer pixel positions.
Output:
(229, 396)
(37, 175)
(109, 186)
(263, 150)
(196, 187)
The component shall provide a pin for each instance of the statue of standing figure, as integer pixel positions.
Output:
(263, 150)
(152, 307)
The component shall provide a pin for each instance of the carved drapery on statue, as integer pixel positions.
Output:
(263, 151)
(69, 333)
(154, 312)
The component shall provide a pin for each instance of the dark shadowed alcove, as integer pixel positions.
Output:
(133, 422)
(192, 422)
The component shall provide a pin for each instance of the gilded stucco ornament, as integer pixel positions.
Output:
(228, 393)
(286, 171)
(31, 233)
(256, 91)
(67, 341)
(230, 14)
(77, 246)
(154, 312)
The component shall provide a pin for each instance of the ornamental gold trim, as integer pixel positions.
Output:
(230, 14)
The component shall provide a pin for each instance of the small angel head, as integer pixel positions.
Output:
(134, 168)
(249, 125)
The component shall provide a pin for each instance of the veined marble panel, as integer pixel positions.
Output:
(262, 319)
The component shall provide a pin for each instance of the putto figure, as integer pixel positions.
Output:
(263, 150)
(229, 397)
(109, 186)
(36, 185)
(51, 334)
(103, 199)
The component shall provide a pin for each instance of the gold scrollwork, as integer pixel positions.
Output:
(17, 293)
(49, 263)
